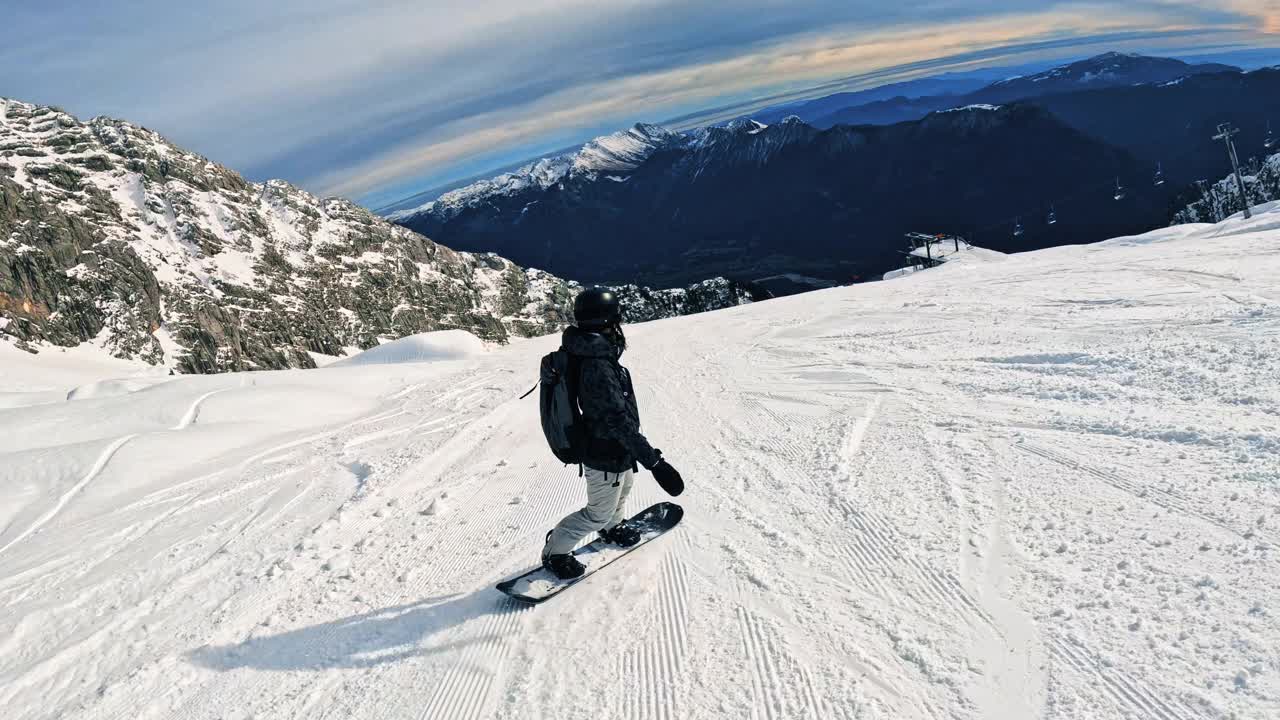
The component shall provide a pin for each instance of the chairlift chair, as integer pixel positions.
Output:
(1159, 175)
(1271, 141)
(1017, 228)
(1120, 191)
(1053, 216)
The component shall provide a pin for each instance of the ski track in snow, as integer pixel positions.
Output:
(1043, 487)
(112, 448)
(193, 413)
(103, 458)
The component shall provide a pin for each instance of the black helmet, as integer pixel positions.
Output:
(596, 308)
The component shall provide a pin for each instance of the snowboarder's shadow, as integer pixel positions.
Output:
(361, 641)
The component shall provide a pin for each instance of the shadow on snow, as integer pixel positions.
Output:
(361, 641)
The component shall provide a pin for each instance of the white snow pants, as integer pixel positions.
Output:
(606, 495)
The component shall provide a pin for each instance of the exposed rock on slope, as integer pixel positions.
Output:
(1222, 199)
(112, 235)
(641, 304)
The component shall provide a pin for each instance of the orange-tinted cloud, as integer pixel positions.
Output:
(800, 62)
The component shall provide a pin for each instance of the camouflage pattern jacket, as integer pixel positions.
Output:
(608, 404)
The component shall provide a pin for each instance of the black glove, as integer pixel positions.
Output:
(668, 478)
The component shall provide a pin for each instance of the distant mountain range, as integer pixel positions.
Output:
(817, 112)
(755, 200)
(111, 235)
(752, 201)
(1103, 71)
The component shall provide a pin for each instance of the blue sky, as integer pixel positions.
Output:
(375, 100)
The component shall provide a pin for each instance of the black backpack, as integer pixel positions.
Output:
(561, 417)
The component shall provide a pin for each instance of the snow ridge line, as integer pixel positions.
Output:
(1124, 689)
(1167, 500)
(103, 458)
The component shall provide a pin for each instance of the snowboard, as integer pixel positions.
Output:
(539, 585)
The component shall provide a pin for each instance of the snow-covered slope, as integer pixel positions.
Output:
(1042, 487)
(623, 151)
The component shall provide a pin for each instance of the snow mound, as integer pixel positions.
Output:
(424, 347)
(63, 374)
(436, 508)
(112, 388)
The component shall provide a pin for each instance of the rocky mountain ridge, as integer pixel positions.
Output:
(111, 235)
(1222, 199)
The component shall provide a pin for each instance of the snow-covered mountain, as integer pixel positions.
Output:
(606, 156)
(1037, 487)
(623, 151)
(111, 235)
(609, 157)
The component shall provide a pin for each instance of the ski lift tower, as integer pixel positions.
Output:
(1225, 133)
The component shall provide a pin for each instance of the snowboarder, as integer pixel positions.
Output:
(613, 443)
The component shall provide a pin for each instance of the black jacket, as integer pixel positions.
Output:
(608, 405)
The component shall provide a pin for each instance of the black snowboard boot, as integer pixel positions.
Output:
(622, 535)
(565, 567)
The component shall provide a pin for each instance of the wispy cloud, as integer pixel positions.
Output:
(361, 97)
